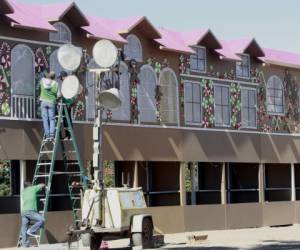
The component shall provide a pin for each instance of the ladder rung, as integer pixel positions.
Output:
(75, 198)
(72, 163)
(44, 163)
(77, 186)
(71, 151)
(46, 152)
(41, 175)
(66, 173)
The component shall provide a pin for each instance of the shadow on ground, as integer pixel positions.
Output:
(266, 245)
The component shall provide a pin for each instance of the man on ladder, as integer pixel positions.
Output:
(29, 212)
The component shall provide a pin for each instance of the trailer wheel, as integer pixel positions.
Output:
(145, 238)
(96, 240)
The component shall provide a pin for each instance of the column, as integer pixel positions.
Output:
(182, 184)
(293, 185)
(261, 182)
(194, 181)
(136, 175)
(228, 182)
(22, 174)
(223, 184)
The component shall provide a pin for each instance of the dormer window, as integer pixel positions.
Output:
(243, 67)
(198, 60)
(63, 34)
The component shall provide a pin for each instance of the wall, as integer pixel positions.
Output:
(188, 219)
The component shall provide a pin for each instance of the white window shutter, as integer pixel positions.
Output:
(169, 84)
(146, 94)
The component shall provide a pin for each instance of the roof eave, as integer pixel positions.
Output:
(90, 36)
(17, 25)
(175, 50)
(284, 64)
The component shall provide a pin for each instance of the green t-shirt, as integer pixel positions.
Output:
(49, 90)
(29, 198)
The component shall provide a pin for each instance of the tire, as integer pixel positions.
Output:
(96, 240)
(86, 239)
(144, 239)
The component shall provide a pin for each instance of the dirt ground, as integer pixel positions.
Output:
(267, 238)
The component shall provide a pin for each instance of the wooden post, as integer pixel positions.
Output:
(228, 182)
(22, 178)
(261, 183)
(22, 174)
(182, 184)
(293, 186)
(194, 182)
(136, 175)
(223, 184)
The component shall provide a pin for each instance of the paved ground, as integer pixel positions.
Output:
(276, 238)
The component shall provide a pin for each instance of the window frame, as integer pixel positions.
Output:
(249, 66)
(200, 102)
(283, 97)
(196, 54)
(177, 92)
(33, 71)
(255, 90)
(146, 66)
(58, 32)
(229, 106)
(140, 45)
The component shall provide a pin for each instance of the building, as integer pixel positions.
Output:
(209, 129)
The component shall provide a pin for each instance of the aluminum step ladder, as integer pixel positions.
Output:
(45, 170)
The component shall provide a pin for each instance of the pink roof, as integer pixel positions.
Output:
(103, 28)
(174, 41)
(182, 41)
(193, 37)
(56, 11)
(283, 58)
(231, 49)
(228, 51)
(27, 15)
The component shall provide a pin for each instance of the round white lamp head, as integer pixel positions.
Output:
(69, 57)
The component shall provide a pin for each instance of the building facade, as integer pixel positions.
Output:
(209, 128)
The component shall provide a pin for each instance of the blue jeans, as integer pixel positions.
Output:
(48, 115)
(26, 218)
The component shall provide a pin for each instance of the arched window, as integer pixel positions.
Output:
(123, 113)
(22, 70)
(63, 34)
(169, 100)
(275, 101)
(133, 49)
(146, 94)
(22, 82)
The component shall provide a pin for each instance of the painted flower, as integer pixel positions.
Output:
(5, 108)
(5, 61)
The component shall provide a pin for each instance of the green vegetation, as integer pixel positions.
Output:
(5, 178)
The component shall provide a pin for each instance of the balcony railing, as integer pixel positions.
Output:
(23, 107)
